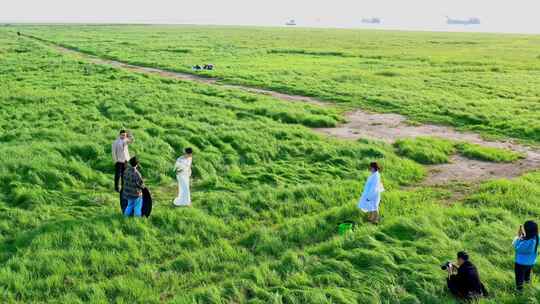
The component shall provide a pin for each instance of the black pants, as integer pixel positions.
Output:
(119, 175)
(523, 274)
(453, 287)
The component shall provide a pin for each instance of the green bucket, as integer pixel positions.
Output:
(344, 227)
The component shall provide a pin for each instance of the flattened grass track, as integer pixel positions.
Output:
(385, 127)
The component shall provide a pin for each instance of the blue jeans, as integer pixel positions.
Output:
(134, 205)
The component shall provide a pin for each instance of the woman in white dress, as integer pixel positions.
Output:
(183, 175)
(371, 196)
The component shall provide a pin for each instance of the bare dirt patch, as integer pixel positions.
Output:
(385, 127)
(391, 127)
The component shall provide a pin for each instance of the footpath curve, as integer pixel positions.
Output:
(362, 124)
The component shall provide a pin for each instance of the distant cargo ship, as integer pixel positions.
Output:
(371, 20)
(291, 22)
(469, 21)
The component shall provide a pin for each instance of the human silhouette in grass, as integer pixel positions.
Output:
(371, 196)
(183, 175)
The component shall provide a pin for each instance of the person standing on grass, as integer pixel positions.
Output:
(371, 196)
(183, 175)
(120, 155)
(526, 248)
(133, 187)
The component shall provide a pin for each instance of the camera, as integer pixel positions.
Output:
(446, 265)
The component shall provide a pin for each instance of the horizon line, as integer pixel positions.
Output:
(379, 27)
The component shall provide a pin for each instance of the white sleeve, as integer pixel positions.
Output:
(115, 159)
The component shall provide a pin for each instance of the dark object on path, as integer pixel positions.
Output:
(208, 67)
(345, 226)
(146, 205)
(197, 67)
(18, 33)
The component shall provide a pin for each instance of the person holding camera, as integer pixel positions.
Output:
(526, 247)
(463, 279)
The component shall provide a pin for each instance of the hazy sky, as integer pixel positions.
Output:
(495, 15)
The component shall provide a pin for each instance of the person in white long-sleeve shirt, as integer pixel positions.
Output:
(182, 168)
(371, 196)
(120, 156)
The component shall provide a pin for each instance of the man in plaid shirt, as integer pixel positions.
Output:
(133, 186)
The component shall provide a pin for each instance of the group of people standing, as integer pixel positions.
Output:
(129, 182)
(463, 279)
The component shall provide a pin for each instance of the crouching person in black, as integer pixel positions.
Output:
(463, 280)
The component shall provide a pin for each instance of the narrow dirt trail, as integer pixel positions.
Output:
(384, 127)
(391, 127)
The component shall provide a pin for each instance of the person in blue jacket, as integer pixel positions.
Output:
(526, 247)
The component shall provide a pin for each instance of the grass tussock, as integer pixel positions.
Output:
(178, 51)
(426, 150)
(488, 153)
(388, 74)
(431, 150)
(306, 52)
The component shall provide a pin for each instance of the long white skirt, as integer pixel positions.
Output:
(184, 196)
(371, 205)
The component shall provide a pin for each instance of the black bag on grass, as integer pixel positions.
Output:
(147, 202)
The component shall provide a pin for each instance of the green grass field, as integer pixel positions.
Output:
(268, 191)
(489, 83)
(431, 150)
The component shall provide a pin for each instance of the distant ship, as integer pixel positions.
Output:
(371, 20)
(291, 22)
(469, 21)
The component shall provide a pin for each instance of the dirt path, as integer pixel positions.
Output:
(390, 127)
(385, 127)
